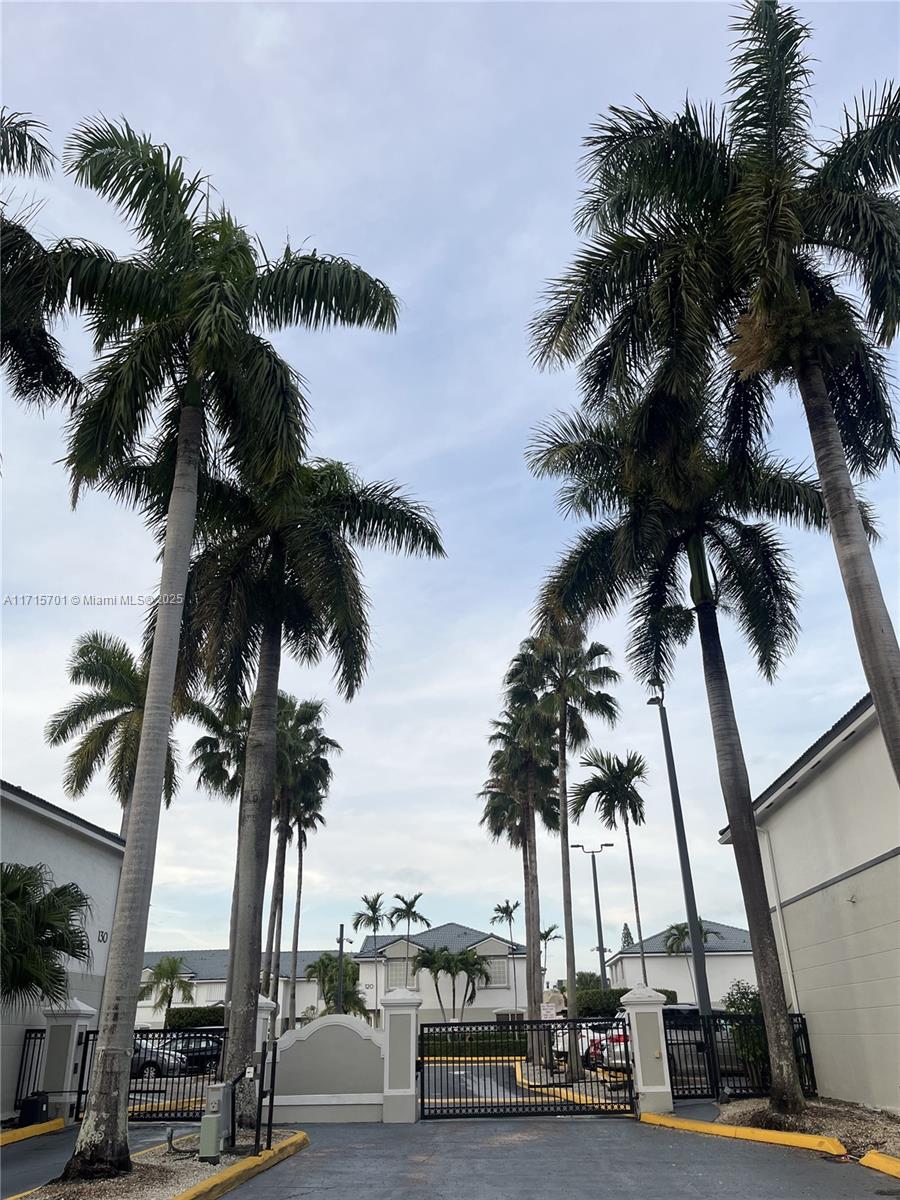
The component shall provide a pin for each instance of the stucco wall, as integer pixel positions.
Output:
(213, 992)
(331, 1070)
(665, 971)
(30, 836)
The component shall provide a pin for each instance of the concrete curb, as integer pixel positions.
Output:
(29, 1131)
(747, 1133)
(233, 1176)
(886, 1163)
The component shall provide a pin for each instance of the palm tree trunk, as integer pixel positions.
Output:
(375, 942)
(512, 959)
(408, 927)
(532, 906)
(440, 998)
(273, 942)
(126, 813)
(101, 1150)
(259, 787)
(634, 892)
(875, 636)
(295, 936)
(575, 1065)
(786, 1094)
(232, 924)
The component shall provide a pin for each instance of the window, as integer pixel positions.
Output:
(509, 1018)
(395, 973)
(499, 970)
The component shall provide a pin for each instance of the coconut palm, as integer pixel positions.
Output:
(165, 982)
(549, 935)
(372, 916)
(405, 912)
(657, 518)
(476, 970)
(613, 789)
(184, 376)
(677, 940)
(732, 235)
(505, 913)
(433, 962)
(42, 926)
(107, 720)
(324, 971)
(277, 570)
(570, 674)
(30, 354)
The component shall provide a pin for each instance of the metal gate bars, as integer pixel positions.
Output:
(521, 1068)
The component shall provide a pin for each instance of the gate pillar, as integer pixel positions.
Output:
(652, 1085)
(65, 1039)
(401, 1040)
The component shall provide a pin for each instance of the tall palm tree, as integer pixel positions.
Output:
(166, 981)
(42, 927)
(571, 675)
(505, 913)
(661, 517)
(405, 912)
(278, 570)
(549, 935)
(476, 970)
(432, 960)
(613, 789)
(732, 235)
(677, 940)
(107, 720)
(307, 819)
(372, 916)
(182, 360)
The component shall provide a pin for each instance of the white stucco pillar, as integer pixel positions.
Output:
(265, 1011)
(63, 1048)
(652, 1085)
(401, 1041)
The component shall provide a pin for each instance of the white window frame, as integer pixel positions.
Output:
(413, 979)
(505, 959)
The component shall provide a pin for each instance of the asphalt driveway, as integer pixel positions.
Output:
(539, 1157)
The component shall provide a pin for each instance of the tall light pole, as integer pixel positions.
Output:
(604, 982)
(340, 979)
(687, 882)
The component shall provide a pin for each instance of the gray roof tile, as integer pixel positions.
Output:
(213, 964)
(451, 936)
(731, 940)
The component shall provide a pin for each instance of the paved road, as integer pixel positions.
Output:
(25, 1165)
(531, 1158)
(469, 1088)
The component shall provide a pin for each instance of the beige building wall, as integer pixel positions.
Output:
(672, 972)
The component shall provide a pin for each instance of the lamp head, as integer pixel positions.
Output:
(659, 693)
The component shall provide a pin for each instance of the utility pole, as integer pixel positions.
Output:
(340, 978)
(601, 949)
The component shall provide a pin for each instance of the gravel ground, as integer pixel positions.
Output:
(859, 1128)
(157, 1175)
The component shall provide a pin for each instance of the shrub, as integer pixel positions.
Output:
(195, 1016)
(742, 997)
(600, 1002)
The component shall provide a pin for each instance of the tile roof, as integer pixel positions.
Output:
(16, 792)
(450, 936)
(731, 940)
(213, 964)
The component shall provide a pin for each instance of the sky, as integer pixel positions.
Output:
(437, 145)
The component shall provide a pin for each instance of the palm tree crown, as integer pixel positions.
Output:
(43, 925)
(165, 982)
(405, 912)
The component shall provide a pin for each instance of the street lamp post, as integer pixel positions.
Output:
(604, 982)
(340, 979)
(687, 882)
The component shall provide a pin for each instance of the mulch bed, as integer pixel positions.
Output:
(858, 1127)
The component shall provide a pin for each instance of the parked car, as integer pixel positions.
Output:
(150, 1061)
(201, 1051)
(601, 1043)
(686, 1039)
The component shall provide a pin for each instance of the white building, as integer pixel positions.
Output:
(728, 957)
(829, 830)
(504, 998)
(75, 851)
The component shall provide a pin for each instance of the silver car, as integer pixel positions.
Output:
(151, 1062)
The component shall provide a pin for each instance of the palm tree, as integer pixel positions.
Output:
(476, 970)
(658, 517)
(176, 327)
(405, 911)
(372, 916)
(107, 720)
(42, 926)
(571, 675)
(505, 914)
(677, 940)
(433, 962)
(278, 570)
(30, 354)
(549, 935)
(613, 789)
(167, 980)
(731, 235)
(324, 971)
(307, 819)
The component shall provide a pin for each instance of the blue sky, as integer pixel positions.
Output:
(437, 145)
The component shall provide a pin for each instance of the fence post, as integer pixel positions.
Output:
(265, 1010)
(401, 1040)
(66, 1029)
(652, 1085)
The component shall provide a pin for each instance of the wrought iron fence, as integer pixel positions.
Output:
(727, 1054)
(539, 1068)
(30, 1065)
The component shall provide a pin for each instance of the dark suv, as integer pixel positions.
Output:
(200, 1051)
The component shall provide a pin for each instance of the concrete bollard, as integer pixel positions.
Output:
(652, 1085)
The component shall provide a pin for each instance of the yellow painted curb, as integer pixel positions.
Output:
(29, 1131)
(748, 1133)
(573, 1095)
(886, 1163)
(233, 1176)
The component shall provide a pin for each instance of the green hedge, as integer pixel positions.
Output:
(597, 1002)
(195, 1016)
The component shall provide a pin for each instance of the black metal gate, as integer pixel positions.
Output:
(727, 1054)
(170, 1072)
(521, 1068)
(30, 1065)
